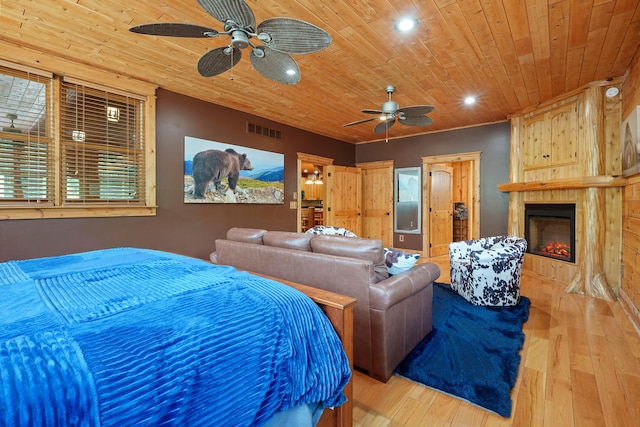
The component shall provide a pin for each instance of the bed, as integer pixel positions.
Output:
(131, 336)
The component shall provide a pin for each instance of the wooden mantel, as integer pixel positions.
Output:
(564, 184)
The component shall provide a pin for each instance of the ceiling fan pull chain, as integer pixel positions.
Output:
(232, 64)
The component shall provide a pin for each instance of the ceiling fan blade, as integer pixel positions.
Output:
(290, 35)
(274, 65)
(357, 122)
(366, 111)
(416, 120)
(230, 10)
(384, 126)
(174, 29)
(416, 110)
(217, 61)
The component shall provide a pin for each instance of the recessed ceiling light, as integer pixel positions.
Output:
(612, 91)
(406, 24)
(470, 100)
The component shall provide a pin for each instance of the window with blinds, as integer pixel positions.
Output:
(26, 149)
(102, 146)
(71, 148)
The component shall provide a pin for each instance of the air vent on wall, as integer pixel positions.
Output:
(264, 131)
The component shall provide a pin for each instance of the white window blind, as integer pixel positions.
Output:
(102, 146)
(26, 153)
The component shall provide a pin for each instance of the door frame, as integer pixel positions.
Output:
(474, 220)
(316, 160)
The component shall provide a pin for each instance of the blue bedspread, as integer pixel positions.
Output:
(127, 336)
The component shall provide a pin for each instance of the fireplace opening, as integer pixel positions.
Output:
(550, 230)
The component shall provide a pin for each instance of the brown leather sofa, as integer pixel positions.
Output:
(392, 314)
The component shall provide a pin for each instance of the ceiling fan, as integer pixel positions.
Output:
(279, 37)
(387, 115)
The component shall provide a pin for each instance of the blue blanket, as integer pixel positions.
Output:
(139, 337)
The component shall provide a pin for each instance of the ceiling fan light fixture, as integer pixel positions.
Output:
(406, 24)
(239, 39)
(415, 115)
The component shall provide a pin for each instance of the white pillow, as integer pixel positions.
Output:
(398, 261)
(331, 230)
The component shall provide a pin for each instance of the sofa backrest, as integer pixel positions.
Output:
(350, 247)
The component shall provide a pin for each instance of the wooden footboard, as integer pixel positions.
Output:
(339, 310)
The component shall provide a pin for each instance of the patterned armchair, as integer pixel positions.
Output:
(486, 271)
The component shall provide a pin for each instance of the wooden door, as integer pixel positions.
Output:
(441, 212)
(377, 201)
(344, 187)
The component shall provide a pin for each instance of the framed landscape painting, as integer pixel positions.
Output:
(217, 172)
(630, 134)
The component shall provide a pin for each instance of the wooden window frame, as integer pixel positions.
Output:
(56, 208)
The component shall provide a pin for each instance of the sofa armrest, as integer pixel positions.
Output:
(391, 291)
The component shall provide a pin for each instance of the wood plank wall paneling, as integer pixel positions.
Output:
(630, 286)
(631, 247)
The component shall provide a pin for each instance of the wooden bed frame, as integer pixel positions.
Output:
(339, 310)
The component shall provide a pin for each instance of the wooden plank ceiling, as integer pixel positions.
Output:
(511, 54)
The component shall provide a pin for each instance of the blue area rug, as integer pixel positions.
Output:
(472, 352)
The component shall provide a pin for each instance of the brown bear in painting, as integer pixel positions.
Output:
(216, 165)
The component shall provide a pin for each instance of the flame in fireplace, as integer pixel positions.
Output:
(558, 249)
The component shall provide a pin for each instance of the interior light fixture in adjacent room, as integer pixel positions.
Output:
(113, 114)
(314, 178)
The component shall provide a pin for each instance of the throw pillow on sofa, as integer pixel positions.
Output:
(331, 230)
(398, 261)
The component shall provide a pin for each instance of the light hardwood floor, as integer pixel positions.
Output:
(580, 367)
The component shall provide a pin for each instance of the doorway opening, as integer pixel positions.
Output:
(312, 191)
(439, 224)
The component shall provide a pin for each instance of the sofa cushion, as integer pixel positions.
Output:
(353, 247)
(398, 261)
(288, 240)
(246, 235)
